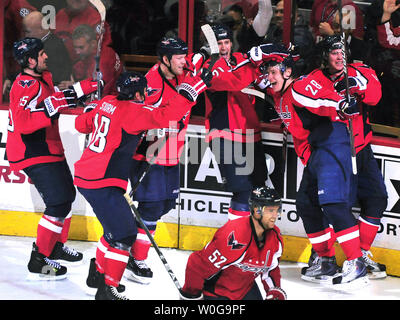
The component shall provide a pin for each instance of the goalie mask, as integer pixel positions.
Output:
(129, 83)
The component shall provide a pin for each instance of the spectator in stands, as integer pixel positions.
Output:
(302, 37)
(78, 12)
(58, 63)
(324, 21)
(14, 11)
(384, 59)
(247, 32)
(389, 36)
(85, 46)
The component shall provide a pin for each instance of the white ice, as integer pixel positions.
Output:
(15, 252)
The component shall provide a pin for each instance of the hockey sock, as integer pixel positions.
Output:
(349, 240)
(141, 247)
(102, 248)
(239, 205)
(115, 264)
(322, 242)
(65, 229)
(368, 227)
(48, 232)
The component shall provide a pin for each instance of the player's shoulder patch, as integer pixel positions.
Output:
(26, 83)
(233, 242)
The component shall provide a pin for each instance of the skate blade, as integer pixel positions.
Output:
(323, 280)
(352, 285)
(44, 277)
(133, 277)
(377, 275)
(69, 263)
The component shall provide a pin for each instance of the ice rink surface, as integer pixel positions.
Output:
(15, 252)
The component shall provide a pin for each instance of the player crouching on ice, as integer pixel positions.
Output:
(34, 146)
(240, 251)
(117, 124)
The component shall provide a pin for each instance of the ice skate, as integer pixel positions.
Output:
(106, 292)
(321, 271)
(138, 271)
(375, 270)
(93, 279)
(42, 268)
(65, 254)
(353, 275)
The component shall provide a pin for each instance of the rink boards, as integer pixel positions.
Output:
(203, 204)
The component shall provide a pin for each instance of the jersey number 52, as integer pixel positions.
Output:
(216, 258)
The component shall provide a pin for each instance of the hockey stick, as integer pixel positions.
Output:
(213, 43)
(160, 254)
(97, 75)
(346, 77)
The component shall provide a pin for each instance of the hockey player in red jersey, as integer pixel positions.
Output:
(240, 251)
(158, 191)
(101, 175)
(315, 114)
(370, 189)
(234, 129)
(34, 146)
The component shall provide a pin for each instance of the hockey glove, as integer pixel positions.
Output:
(192, 87)
(267, 52)
(187, 296)
(354, 86)
(85, 87)
(348, 110)
(59, 100)
(89, 107)
(276, 293)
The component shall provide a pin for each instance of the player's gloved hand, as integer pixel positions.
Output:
(85, 87)
(354, 86)
(191, 87)
(59, 100)
(89, 107)
(267, 52)
(276, 293)
(348, 110)
(205, 51)
(206, 75)
(187, 296)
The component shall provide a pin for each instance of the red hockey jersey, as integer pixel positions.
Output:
(32, 137)
(161, 90)
(229, 112)
(117, 127)
(305, 105)
(230, 263)
(369, 93)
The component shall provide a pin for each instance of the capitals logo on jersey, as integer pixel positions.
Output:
(233, 243)
(26, 83)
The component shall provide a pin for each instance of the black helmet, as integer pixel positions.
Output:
(27, 48)
(170, 46)
(331, 43)
(222, 31)
(128, 83)
(264, 197)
